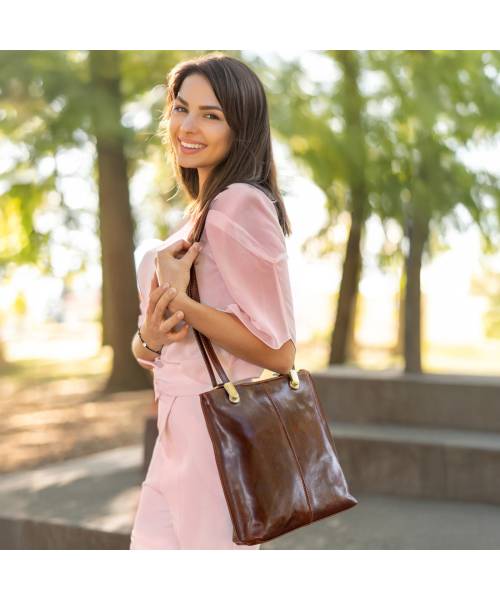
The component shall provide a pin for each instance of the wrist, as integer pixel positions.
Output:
(149, 344)
(181, 302)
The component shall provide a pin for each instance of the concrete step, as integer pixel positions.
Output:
(438, 463)
(90, 502)
(430, 400)
(98, 492)
(384, 522)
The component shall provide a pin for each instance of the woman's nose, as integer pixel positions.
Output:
(188, 123)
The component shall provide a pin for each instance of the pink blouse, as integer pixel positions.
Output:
(242, 269)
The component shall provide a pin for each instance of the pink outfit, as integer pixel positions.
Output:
(242, 269)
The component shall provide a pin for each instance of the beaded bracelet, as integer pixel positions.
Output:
(145, 345)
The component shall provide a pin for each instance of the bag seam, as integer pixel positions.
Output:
(306, 492)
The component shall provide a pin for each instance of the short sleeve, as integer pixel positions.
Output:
(248, 247)
(145, 272)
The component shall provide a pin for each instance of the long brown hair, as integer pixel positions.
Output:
(250, 158)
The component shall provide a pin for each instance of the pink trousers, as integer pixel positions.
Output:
(182, 504)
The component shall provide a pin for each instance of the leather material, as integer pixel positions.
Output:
(274, 451)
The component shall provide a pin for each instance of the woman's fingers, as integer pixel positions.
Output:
(154, 297)
(156, 290)
(168, 324)
(176, 247)
(162, 303)
(175, 336)
(191, 254)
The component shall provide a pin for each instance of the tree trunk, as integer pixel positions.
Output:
(342, 339)
(105, 316)
(417, 236)
(121, 304)
(399, 346)
(344, 319)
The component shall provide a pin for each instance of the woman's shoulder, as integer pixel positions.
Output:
(241, 189)
(247, 216)
(239, 199)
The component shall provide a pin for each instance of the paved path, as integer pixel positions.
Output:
(100, 492)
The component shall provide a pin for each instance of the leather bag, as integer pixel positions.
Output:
(274, 449)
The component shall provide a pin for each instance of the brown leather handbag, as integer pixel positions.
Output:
(273, 447)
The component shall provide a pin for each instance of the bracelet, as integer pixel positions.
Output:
(145, 345)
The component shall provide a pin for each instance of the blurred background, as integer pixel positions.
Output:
(389, 162)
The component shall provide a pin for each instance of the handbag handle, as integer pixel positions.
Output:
(204, 343)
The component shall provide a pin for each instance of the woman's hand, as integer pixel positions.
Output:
(174, 270)
(156, 330)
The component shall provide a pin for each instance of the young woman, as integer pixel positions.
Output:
(218, 134)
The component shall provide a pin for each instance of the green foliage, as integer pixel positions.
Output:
(46, 106)
(19, 241)
(397, 140)
(403, 150)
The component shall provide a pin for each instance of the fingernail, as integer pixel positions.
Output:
(165, 286)
(173, 290)
(179, 314)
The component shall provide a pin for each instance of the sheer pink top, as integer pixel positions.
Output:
(242, 269)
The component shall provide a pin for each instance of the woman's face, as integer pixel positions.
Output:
(197, 118)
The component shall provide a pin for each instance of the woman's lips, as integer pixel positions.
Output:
(185, 150)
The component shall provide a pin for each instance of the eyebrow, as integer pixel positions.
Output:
(205, 107)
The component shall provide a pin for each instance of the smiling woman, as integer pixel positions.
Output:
(198, 132)
(217, 132)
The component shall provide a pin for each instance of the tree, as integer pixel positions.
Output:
(391, 152)
(443, 100)
(55, 101)
(327, 129)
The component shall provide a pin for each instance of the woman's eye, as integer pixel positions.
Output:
(208, 114)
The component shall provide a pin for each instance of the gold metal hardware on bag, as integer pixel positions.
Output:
(294, 379)
(234, 397)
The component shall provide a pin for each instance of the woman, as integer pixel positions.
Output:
(219, 138)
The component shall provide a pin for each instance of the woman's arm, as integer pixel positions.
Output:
(156, 328)
(228, 331)
(142, 353)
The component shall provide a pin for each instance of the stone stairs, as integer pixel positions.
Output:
(88, 503)
(429, 436)
(421, 454)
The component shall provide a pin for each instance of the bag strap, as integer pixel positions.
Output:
(204, 343)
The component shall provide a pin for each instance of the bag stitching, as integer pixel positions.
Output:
(294, 454)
